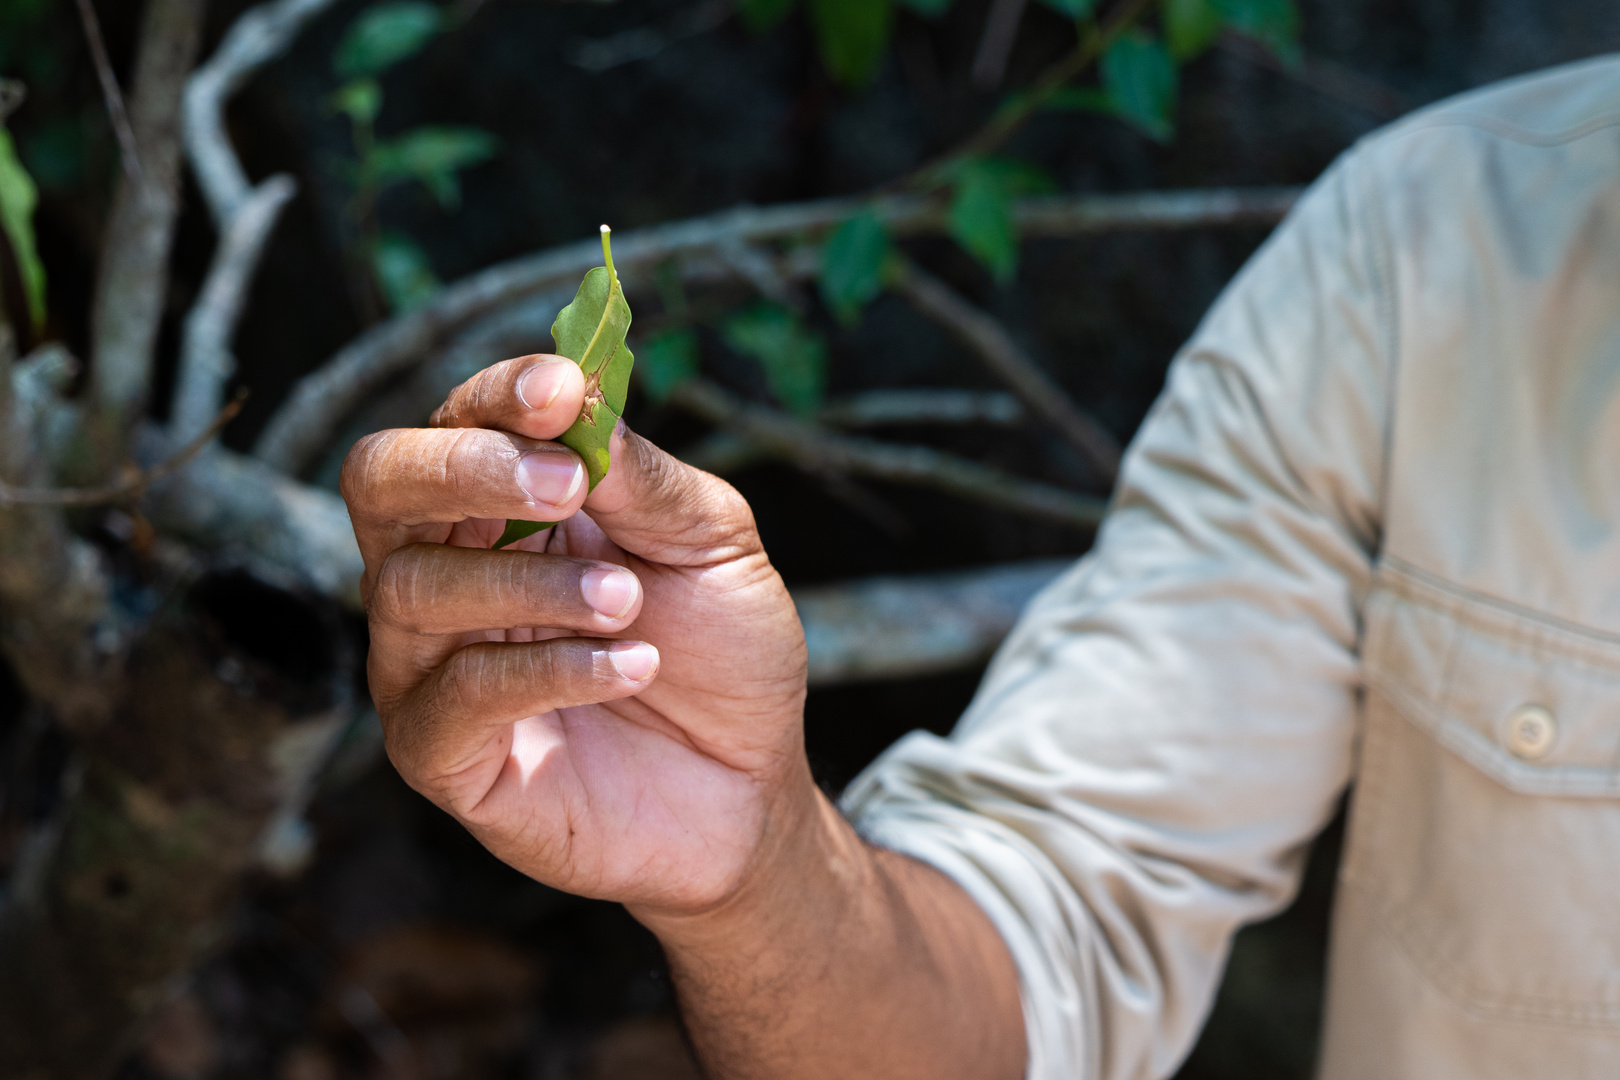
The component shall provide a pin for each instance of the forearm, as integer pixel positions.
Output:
(840, 959)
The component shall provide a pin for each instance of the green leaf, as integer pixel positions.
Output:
(1080, 99)
(763, 14)
(1140, 76)
(668, 359)
(1074, 9)
(930, 9)
(17, 199)
(433, 155)
(403, 272)
(853, 36)
(980, 217)
(852, 265)
(1274, 22)
(384, 34)
(1190, 27)
(590, 331)
(794, 358)
(358, 99)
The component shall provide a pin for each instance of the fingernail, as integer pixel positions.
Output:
(635, 660)
(609, 592)
(550, 476)
(540, 385)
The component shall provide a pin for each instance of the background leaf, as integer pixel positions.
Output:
(17, 199)
(1274, 22)
(980, 216)
(384, 34)
(433, 155)
(1140, 76)
(1080, 99)
(1190, 27)
(852, 265)
(668, 359)
(403, 272)
(929, 8)
(1074, 9)
(794, 359)
(763, 14)
(853, 35)
(358, 99)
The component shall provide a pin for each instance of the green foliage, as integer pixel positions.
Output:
(1074, 9)
(853, 36)
(1080, 99)
(384, 34)
(1190, 27)
(433, 156)
(853, 265)
(590, 331)
(668, 359)
(1140, 76)
(794, 358)
(980, 216)
(763, 14)
(403, 272)
(17, 199)
(358, 99)
(931, 9)
(1274, 22)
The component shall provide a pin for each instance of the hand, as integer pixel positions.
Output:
(614, 706)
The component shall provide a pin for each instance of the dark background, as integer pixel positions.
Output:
(469, 969)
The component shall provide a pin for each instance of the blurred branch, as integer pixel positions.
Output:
(244, 216)
(885, 408)
(644, 42)
(995, 47)
(128, 150)
(1011, 117)
(320, 401)
(206, 360)
(1329, 78)
(258, 37)
(819, 451)
(985, 335)
(127, 488)
(902, 627)
(243, 511)
(12, 94)
(134, 275)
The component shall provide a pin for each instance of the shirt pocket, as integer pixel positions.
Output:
(1487, 827)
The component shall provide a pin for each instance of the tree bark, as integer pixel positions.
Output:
(228, 705)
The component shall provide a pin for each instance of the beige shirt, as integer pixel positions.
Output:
(1370, 531)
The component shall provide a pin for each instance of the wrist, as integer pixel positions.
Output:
(807, 863)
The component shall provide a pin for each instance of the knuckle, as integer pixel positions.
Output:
(355, 479)
(395, 596)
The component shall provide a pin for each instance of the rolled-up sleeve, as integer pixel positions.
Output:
(1173, 721)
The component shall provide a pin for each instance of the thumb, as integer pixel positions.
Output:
(656, 506)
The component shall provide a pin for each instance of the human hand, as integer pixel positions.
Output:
(614, 706)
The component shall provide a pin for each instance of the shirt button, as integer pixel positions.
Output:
(1531, 731)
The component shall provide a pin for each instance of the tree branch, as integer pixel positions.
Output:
(888, 408)
(131, 486)
(134, 265)
(321, 400)
(985, 335)
(902, 627)
(258, 37)
(128, 150)
(819, 451)
(206, 360)
(244, 216)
